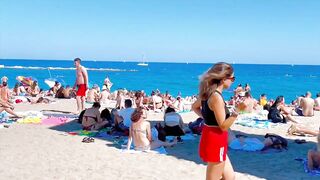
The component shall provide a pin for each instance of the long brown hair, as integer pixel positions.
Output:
(210, 80)
(137, 114)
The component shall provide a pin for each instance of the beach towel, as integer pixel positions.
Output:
(315, 172)
(186, 137)
(248, 144)
(71, 116)
(30, 120)
(84, 133)
(54, 120)
(255, 120)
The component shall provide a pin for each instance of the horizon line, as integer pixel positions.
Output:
(177, 62)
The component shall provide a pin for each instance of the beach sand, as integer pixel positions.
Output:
(32, 151)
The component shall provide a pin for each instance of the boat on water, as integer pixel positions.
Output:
(142, 64)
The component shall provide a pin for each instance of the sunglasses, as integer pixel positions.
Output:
(232, 79)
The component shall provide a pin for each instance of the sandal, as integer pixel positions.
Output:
(88, 140)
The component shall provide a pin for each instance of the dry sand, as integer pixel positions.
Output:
(31, 151)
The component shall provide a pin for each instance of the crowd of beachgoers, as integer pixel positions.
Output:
(127, 110)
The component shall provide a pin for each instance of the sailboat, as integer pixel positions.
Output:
(143, 63)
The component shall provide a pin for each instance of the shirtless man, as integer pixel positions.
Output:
(104, 96)
(81, 83)
(248, 105)
(317, 103)
(4, 92)
(93, 94)
(306, 106)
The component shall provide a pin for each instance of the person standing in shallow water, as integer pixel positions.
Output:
(81, 83)
(211, 107)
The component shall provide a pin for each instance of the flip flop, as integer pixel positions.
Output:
(88, 140)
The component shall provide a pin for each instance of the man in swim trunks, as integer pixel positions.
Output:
(81, 83)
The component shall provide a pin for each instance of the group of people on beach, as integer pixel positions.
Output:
(216, 116)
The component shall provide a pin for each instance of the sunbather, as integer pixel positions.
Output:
(314, 156)
(140, 133)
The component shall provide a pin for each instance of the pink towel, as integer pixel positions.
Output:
(54, 121)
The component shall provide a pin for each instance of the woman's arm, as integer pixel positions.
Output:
(129, 139)
(196, 107)
(216, 104)
(149, 132)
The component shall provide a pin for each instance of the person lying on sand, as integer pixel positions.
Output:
(300, 130)
(140, 133)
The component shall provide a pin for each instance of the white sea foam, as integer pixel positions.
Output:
(66, 69)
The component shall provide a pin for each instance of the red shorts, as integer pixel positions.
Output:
(213, 145)
(82, 88)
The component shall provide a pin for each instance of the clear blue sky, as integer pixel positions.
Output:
(269, 31)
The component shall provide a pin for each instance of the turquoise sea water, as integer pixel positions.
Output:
(274, 80)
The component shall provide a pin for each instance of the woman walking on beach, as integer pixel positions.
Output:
(211, 107)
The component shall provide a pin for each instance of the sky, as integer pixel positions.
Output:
(240, 31)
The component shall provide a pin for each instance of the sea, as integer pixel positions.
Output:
(177, 78)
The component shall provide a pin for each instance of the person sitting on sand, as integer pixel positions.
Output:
(173, 123)
(120, 100)
(179, 104)
(138, 97)
(248, 104)
(123, 117)
(19, 90)
(279, 112)
(238, 90)
(34, 89)
(91, 119)
(8, 107)
(93, 94)
(53, 90)
(156, 101)
(314, 156)
(306, 106)
(4, 92)
(140, 133)
(104, 95)
(317, 103)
